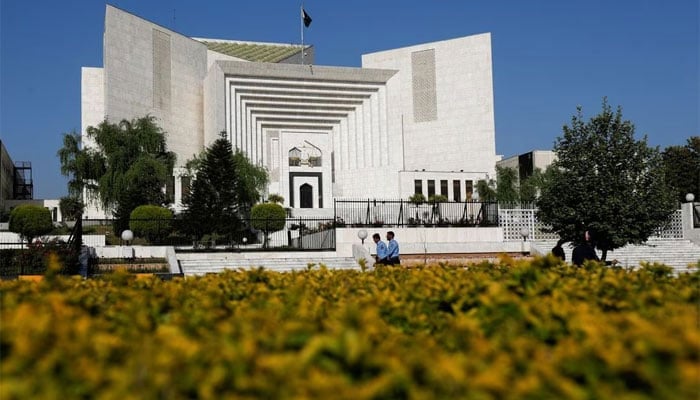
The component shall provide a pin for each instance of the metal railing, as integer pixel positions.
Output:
(403, 213)
(289, 234)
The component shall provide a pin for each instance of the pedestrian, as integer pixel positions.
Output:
(584, 251)
(381, 250)
(558, 251)
(392, 249)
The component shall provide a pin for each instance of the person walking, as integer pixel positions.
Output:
(584, 251)
(380, 258)
(392, 249)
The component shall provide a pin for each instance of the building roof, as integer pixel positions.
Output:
(256, 52)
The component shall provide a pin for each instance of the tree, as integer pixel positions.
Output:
(507, 187)
(682, 168)
(152, 222)
(30, 221)
(81, 166)
(128, 167)
(486, 190)
(275, 198)
(606, 182)
(268, 217)
(71, 208)
(224, 188)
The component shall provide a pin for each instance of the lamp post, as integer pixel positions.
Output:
(127, 251)
(689, 197)
(362, 235)
(524, 232)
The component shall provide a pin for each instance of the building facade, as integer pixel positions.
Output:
(526, 164)
(406, 118)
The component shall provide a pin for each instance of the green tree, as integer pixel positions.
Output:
(682, 168)
(71, 208)
(224, 188)
(507, 185)
(486, 190)
(275, 198)
(531, 186)
(128, 166)
(30, 221)
(606, 182)
(268, 217)
(83, 166)
(154, 223)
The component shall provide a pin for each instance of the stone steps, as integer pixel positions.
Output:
(213, 265)
(677, 253)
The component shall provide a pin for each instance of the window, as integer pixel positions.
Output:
(431, 188)
(469, 186)
(418, 186)
(294, 157)
(443, 187)
(170, 189)
(185, 185)
(457, 190)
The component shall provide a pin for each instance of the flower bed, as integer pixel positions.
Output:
(512, 329)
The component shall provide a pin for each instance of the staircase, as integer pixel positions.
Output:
(194, 264)
(680, 254)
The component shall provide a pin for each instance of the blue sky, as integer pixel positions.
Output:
(548, 57)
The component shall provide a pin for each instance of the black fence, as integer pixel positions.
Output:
(402, 213)
(252, 235)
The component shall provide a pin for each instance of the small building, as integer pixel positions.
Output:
(526, 163)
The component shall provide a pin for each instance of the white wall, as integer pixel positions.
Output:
(433, 240)
(462, 137)
(130, 90)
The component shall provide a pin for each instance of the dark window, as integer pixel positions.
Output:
(457, 190)
(431, 187)
(306, 196)
(469, 188)
(418, 186)
(443, 187)
(185, 183)
(170, 189)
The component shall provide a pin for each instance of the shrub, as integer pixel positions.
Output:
(30, 221)
(437, 198)
(154, 223)
(537, 329)
(417, 198)
(268, 217)
(71, 208)
(275, 198)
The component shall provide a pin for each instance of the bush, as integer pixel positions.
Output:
(268, 217)
(417, 198)
(154, 223)
(437, 198)
(30, 221)
(71, 208)
(511, 329)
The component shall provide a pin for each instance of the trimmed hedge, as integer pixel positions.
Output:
(511, 330)
(154, 223)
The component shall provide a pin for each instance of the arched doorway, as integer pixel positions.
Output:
(306, 196)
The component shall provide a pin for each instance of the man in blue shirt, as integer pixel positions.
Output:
(381, 250)
(392, 250)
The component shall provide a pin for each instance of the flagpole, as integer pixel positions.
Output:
(301, 20)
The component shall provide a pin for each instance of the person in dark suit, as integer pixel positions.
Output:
(584, 251)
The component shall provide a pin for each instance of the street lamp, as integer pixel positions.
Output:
(689, 197)
(127, 237)
(524, 232)
(362, 234)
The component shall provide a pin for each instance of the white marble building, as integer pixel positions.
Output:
(418, 118)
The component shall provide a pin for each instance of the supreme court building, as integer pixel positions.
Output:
(413, 119)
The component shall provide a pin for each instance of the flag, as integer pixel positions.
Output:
(305, 17)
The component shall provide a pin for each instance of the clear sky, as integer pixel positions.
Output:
(548, 57)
